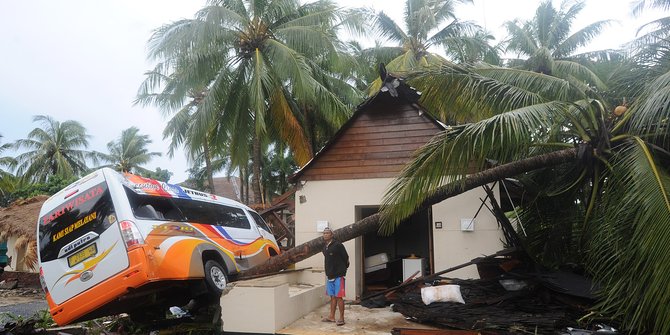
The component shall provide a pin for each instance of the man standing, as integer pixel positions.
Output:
(336, 264)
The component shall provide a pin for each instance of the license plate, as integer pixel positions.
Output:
(82, 255)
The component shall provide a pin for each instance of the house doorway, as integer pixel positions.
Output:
(389, 260)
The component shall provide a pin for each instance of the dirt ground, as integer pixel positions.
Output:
(359, 320)
(27, 288)
(20, 296)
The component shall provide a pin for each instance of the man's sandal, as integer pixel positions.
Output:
(340, 322)
(327, 320)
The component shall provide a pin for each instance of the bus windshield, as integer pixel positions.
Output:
(89, 213)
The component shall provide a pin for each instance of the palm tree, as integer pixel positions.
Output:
(7, 179)
(261, 63)
(5, 161)
(640, 5)
(546, 131)
(129, 152)
(430, 23)
(548, 45)
(614, 233)
(55, 149)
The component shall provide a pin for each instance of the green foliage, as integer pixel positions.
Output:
(55, 149)
(159, 174)
(242, 73)
(278, 165)
(549, 44)
(196, 178)
(129, 152)
(429, 23)
(17, 324)
(28, 190)
(606, 211)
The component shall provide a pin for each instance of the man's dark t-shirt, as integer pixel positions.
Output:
(336, 260)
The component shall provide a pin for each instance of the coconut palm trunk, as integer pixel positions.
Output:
(208, 166)
(372, 223)
(256, 173)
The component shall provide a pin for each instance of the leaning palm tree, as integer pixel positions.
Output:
(129, 152)
(260, 62)
(582, 157)
(54, 149)
(548, 44)
(602, 180)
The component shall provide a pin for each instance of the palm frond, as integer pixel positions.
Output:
(452, 154)
(387, 28)
(630, 247)
(566, 68)
(521, 39)
(651, 114)
(580, 38)
(458, 93)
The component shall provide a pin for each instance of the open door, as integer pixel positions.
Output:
(389, 260)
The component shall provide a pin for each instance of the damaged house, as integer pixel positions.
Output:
(347, 178)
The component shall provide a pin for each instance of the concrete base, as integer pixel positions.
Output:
(266, 305)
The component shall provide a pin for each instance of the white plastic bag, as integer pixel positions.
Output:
(442, 293)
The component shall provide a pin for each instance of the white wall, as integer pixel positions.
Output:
(335, 201)
(452, 246)
(17, 262)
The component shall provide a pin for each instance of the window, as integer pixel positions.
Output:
(150, 207)
(88, 211)
(260, 222)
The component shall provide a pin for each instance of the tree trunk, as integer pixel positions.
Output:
(310, 129)
(208, 167)
(256, 166)
(371, 223)
(243, 193)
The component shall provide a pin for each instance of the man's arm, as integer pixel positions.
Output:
(344, 254)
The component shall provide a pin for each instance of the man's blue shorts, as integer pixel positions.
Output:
(335, 287)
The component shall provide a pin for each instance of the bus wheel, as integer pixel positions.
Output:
(215, 276)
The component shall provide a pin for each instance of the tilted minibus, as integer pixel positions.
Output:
(111, 243)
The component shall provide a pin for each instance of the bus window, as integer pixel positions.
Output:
(260, 222)
(88, 211)
(215, 214)
(186, 210)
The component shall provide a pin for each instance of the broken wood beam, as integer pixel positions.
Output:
(504, 252)
(405, 281)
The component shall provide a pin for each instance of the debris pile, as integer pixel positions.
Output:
(489, 307)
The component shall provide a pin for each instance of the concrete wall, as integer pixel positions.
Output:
(453, 246)
(266, 305)
(335, 201)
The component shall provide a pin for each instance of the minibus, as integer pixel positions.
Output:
(113, 243)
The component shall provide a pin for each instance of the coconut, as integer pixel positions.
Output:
(620, 110)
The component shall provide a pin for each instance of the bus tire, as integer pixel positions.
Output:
(215, 277)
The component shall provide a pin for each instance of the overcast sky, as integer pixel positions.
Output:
(84, 60)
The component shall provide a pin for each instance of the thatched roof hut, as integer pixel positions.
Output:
(18, 221)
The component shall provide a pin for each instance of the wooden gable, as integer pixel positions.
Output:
(376, 142)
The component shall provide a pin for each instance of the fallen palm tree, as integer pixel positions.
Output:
(372, 223)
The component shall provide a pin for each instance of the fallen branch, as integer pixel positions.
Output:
(504, 252)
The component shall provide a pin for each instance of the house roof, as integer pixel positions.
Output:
(228, 187)
(20, 217)
(394, 90)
